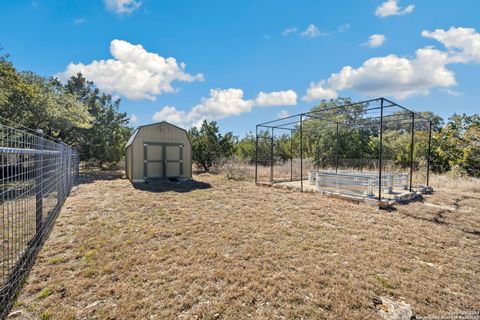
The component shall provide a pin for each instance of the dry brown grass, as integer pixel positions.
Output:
(456, 183)
(236, 251)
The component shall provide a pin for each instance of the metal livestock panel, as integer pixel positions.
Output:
(358, 183)
(36, 175)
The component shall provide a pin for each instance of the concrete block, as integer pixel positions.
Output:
(407, 196)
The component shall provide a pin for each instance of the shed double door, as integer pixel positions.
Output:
(162, 160)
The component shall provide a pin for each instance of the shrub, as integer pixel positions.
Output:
(234, 168)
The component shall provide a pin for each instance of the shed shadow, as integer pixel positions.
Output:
(160, 186)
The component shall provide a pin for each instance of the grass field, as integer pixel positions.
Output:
(219, 249)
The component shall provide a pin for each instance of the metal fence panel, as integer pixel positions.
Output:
(36, 175)
(375, 148)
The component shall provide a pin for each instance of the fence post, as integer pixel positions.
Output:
(271, 158)
(70, 170)
(412, 142)
(429, 151)
(38, 170)
(60, 172)
(68, 173)
(67, 168)
(336, 152)
(291, 155)
(361, 165)
(301, 152)
(380, 153)
(33, 168)
(256, 154)
(77, 159)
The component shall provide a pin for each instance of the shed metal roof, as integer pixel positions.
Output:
(135, 132)
(132, 137)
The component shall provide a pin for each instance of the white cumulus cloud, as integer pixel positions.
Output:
(391, 8)
(122, 6)
(277, 98)
(376, 40)
(403, 77)
(172, 115)
(396, 76)
(463, 43)
(133, 72)
(220, 104)
(389, 76)
(317, 91)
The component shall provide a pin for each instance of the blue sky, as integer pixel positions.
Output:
(233, 50)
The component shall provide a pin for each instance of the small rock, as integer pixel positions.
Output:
(392, 310)
(93, 304)
(15, 313)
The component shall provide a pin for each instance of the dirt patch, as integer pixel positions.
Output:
(222, 249)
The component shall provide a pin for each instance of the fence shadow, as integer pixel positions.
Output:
(167, 186)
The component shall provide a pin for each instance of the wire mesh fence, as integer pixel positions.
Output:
(373, 148)
(37, 174)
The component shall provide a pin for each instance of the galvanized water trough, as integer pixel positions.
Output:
(357, 183)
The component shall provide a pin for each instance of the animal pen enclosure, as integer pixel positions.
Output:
(37, 174)
(370, 149)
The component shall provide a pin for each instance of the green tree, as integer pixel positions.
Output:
(245, 148)
(39, 103)
(209, 146)
(457, 144)
(320, 133)
(105, 140)
(8, 78)
(75, 112)
(281, 147)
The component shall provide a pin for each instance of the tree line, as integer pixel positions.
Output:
(455, 143)
(80, 115)
(75, 112)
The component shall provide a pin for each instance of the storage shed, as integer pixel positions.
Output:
(158, 151)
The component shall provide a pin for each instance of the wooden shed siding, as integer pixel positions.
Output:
(127, 163)
(161, 132)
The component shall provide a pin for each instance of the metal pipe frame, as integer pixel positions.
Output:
(412, 142)
(301, 152)
(323, 110)
(380, 154)
(256, 154)
(364, 122)
(271, 157)
(336, 151)
(370, 120)
(416, 113)
(382, 100)
(428, 152)
(291, 155)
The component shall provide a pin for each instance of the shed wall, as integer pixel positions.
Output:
(128, 162)
(162, 132)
